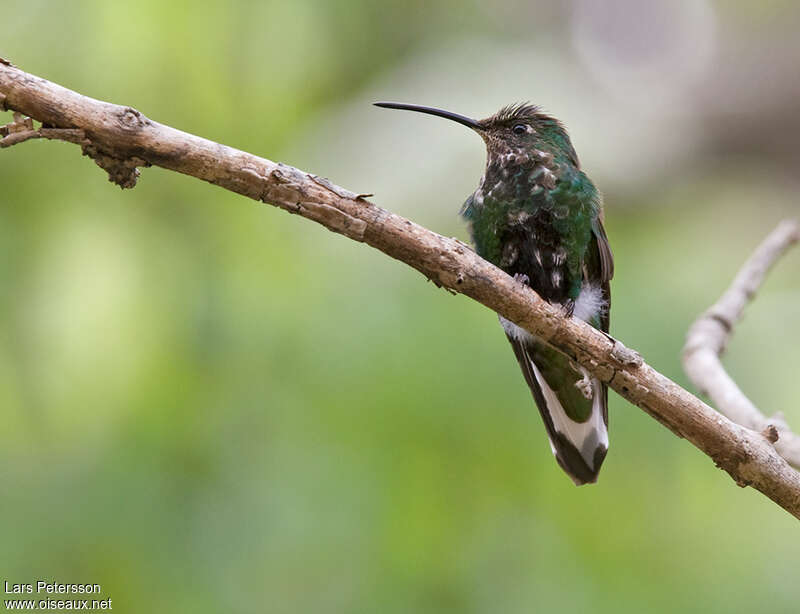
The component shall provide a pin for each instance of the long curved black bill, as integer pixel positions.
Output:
(466, 121)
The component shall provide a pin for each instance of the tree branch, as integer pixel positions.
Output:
(121, 138)
(709, 335)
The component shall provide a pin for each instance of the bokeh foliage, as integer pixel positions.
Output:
(209, 405)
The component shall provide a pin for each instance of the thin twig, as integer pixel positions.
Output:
(709, 335)
(124, 139)
(69, 135)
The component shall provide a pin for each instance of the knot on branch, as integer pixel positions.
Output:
(131, 120)
(625, 355)
(770, 433)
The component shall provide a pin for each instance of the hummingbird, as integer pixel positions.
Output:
(536, 215)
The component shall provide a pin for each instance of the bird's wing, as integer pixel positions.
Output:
(603, 249)
(576, 426)
(599, 265)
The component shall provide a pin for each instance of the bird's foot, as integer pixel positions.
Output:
(522, 278)
(569, 308)
(585, 386)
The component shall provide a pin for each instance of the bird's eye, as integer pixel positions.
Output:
(519, 129)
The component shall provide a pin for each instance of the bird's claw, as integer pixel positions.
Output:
(569, 308)
(522, 278)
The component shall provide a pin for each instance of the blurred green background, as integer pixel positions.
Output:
(208, 405)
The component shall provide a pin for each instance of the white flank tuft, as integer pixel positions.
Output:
(590, 303)
(516, 332)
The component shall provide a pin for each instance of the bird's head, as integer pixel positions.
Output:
(514, 129)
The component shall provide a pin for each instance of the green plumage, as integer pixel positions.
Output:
(536, 215)
(564, 214)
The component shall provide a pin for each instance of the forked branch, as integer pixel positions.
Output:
(709, 335)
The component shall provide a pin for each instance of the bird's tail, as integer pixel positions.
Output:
(574, 406)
